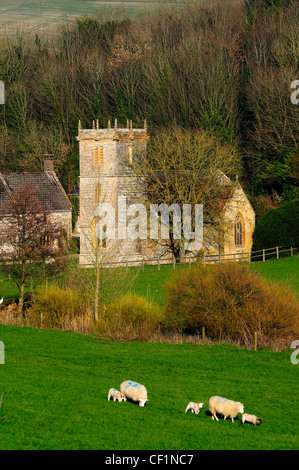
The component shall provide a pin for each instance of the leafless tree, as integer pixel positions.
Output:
(187, 167)
(29, 237)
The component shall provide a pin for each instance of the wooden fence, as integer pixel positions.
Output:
(190, 259)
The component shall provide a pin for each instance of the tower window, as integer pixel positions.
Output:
(98, 156)
(101, 156)
(98, 234)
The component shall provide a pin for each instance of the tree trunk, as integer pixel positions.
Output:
(22, 292)
(21, 299)
(97, 290)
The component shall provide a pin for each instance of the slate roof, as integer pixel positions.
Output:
(45, 184)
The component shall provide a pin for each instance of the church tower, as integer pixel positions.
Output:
(106, 160)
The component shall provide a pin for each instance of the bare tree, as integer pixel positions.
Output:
(187, 167)
(28, 238)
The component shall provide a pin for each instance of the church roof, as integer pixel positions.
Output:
(46, 186)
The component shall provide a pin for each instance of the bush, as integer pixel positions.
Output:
(278, 227)
(130, 318)
(53, 307)
(231, 303)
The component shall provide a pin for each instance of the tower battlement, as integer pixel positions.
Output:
(121, 134)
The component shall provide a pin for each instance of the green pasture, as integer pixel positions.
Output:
(56, 383)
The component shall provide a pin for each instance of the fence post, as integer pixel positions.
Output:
(189, 260)
(277, 252)
(249, 256)
(142, 264)
(255, 341)
(159, 264)
(203, 335)
(291, 251)
(264, 258)
(173, 262)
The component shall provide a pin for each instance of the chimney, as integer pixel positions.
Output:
(48, 162)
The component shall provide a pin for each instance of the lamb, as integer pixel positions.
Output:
(134, 391)
(225, 407)
(116, 395)
(254, 420)
(194, 407)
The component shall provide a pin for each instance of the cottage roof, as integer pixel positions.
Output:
(45, 185)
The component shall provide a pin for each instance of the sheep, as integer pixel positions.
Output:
(134, 391)
(254, 420)
(225, 407)
(116, 395)
(194, 407)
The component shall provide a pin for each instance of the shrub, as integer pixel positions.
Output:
(53, 307)
(278, 227)
(129, 318)
(232, 303)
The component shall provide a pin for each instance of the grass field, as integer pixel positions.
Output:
(33, 15)
(55, 388)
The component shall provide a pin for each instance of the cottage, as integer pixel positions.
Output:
(47, 190)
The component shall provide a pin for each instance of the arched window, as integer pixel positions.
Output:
(98, 234)
(239, 230)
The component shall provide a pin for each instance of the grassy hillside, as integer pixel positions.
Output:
(35, 15)
(56, 383)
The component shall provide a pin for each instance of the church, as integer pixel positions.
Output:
(107, 176)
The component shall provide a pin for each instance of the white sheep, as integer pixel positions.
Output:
(254, 420)
(134, 391)
(116, 395)
(194, 407)
(225, 407)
